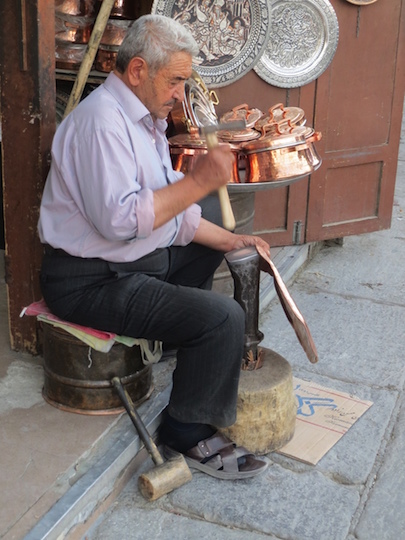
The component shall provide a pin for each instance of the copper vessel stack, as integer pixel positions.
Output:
(74, 21)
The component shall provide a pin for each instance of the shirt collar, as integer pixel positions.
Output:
(132, 105)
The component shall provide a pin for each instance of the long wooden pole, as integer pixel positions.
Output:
(90, 54)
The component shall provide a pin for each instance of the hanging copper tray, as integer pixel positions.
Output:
(231, 35)
(303, 40)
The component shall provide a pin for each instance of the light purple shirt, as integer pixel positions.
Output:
(108, 156)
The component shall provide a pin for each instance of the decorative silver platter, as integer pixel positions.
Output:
(231, 34)
(303, 40)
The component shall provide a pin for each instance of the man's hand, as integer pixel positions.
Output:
(215, 237)
(214, 169)
(244, 240)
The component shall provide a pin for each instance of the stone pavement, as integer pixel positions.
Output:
(353, 299)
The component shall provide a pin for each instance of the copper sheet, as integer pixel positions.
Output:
(293, 314)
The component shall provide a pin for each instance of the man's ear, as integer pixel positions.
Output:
(136, 70)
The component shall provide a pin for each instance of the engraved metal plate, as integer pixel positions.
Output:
(231, 34)
(303, 40)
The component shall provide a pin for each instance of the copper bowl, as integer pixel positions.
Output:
(77, 8)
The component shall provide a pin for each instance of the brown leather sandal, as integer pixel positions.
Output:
(218, 456)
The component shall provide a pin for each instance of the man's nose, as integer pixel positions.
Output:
(179, 92)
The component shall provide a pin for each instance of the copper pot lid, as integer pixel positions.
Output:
(271, 142)
(238, 136)
(242, 112)
(278, 113)
(187, 140)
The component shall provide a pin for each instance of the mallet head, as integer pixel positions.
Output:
(235, 125)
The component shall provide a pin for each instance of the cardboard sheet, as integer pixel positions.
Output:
(323, 417)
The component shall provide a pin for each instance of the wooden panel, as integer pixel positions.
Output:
(341, 186)
(280, 214)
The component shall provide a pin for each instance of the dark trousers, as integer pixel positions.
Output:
(164, 296)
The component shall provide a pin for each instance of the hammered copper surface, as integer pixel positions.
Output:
(185, 150)
(73, 30)
(129, 9)
(78, 8)
(106, 58)
(290, 308)
(69, 55)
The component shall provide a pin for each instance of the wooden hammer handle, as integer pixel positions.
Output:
(228, 218)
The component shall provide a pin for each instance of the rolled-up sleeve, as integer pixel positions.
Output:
(189, 225)
(145, 212)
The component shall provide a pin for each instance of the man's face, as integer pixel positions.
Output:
(159, 93)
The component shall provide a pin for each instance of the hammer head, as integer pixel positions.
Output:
(164, 478)
(236, 125)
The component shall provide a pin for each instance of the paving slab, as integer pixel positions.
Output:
(133, 523)
(280, 503)
(358, 340)
(383, 517)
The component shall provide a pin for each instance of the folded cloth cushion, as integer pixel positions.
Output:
(97, 339)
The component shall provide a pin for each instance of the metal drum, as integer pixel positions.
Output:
(77, 378)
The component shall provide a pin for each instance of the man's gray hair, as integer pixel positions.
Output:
(155, 38)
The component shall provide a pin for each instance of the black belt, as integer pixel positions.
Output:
(49, 250)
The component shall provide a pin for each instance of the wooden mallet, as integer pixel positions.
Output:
(209, 132)
(167, 475)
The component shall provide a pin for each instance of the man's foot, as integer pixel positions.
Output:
(218, 456)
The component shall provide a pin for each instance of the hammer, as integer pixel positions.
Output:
(209, 132)
(166, 476)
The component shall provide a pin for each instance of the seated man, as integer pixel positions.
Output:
(128, 249)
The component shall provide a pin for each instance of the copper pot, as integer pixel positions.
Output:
(69, 55)
(284, 157)
(72, 29)
(185, 149)
(106, 58)
(115, 32)
(77, 8)
(311, 136)
(129, 9)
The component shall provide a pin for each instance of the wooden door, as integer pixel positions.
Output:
(359, 110)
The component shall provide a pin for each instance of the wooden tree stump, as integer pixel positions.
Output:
(266, 410)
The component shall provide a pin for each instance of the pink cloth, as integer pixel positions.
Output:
(40, 308)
